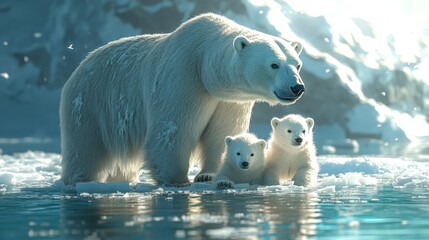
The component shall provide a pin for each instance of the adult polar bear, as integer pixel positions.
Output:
(167, 99)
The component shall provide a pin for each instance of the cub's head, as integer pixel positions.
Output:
(292, 130)
(268, 68)
(245, 151)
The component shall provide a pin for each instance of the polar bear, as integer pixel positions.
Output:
(166, 100)
(291, 154)
(242, 162)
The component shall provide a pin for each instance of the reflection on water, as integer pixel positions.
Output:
(192, 215)
(248, 214)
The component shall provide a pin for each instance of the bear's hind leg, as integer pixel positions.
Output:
(84, 159)
(82, 166)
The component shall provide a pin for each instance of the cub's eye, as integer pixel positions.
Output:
(274, 66)
(252, 154)
(303, 131)
(298, 67)
(289, 131)
(238, 153)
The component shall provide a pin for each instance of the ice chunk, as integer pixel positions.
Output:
(5, 75)
(344, 165)
(144, 187)
(6, 178)
(193, 170)
(326, 190)
(354, 224)
(222, 233)
(351, 179)
(96, 187)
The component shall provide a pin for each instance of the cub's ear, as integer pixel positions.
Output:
(228, 140)
(262, 144)
(240, 43)
(310, 123)
(275, 122)
(297, 46)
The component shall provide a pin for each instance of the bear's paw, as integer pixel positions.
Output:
(224, 184)
(204, 177)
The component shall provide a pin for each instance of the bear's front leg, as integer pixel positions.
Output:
(270, 179)
(212, 147)
(228, 119)
(305, 177)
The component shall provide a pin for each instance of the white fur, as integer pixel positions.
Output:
(285, 158)
(245, 147)
(168, 99)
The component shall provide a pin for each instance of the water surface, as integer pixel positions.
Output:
(356, 198)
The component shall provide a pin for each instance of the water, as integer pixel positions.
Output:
(356, 198)
(349, 214)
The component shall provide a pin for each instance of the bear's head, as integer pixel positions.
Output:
(292, 131)
(268, 69)
(245, 152)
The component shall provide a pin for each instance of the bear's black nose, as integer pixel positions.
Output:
(245, 164)
(298, 140)
(298, 89)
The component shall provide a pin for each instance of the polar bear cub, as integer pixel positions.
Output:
(291, 154)
(243, 161)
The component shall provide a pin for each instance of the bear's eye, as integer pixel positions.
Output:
(289, 131)
(274, 66)
(238, 153)
(303, 131)
(252, 154)
(298, 67)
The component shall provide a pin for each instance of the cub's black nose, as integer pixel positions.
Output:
(298, 90)
(245, 164)
(298, 140)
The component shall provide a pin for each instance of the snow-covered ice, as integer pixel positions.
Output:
(41, 171)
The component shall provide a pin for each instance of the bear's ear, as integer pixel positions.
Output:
(240, 43)
(228, 140)
(262, 144)
(297, 46)
(275, 122)
(310, 123)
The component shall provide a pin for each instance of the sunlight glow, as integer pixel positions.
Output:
(405, 23)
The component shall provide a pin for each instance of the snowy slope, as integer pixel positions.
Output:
(367, 85)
